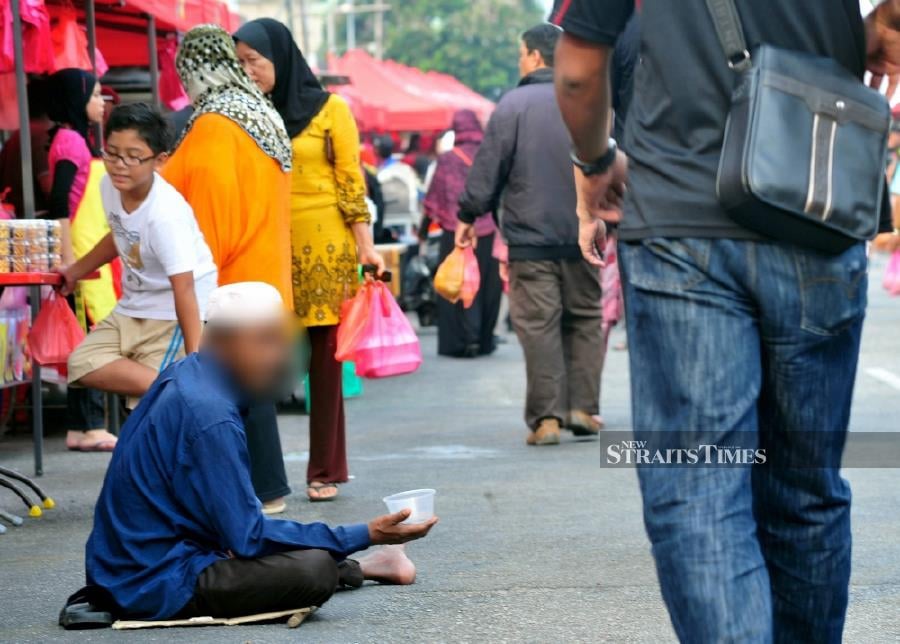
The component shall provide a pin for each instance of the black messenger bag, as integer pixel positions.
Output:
(805, 144)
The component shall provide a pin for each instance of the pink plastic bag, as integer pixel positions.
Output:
(386, 345)
(471, 278)
(892, 274)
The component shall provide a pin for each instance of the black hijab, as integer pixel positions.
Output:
(71, 90)
(298, 95)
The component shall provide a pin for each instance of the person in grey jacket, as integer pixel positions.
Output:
(523, 169)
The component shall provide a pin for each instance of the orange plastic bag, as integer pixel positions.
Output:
(55, 332)
(354, 314)
(448, 281)
(471, 278)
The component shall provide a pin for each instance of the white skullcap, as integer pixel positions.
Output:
(244, 304)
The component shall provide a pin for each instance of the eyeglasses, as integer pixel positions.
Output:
(131, 162)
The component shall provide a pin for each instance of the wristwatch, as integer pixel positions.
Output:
(597, 166)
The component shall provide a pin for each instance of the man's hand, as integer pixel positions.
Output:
(465, 235)
(592, 241)
(887, 242)
(387, 529)
(600, 195)
(883, 46)
(69, 281)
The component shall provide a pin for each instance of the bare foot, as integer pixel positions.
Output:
(93, 440)
(388, 565)
(73, 439)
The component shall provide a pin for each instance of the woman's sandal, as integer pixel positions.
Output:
(317, 488)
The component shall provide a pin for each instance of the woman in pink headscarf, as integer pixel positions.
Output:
(465, 333)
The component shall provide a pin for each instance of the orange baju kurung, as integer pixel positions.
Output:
(240, 197)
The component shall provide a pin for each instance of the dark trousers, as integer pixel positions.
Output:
(264, 446)
(296, 579)
(555, 309)
(746, 342)
(470, 331)
(327, 440)
(85, 409)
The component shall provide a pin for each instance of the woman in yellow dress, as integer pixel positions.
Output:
(330, 231)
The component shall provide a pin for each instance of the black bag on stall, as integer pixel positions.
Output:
(805, 144)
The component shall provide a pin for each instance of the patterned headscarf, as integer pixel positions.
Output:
(213, 78)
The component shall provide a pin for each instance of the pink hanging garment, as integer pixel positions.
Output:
(70, 45)
(171, 91)
(891, 280)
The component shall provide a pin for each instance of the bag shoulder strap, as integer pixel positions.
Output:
(462, 155)
(730, 31)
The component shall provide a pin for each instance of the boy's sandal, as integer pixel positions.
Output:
(317, 488)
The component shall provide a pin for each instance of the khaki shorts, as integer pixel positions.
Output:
(153, 343)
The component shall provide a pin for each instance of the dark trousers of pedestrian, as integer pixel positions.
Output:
(555, 310)
(267, 471)
(728, 339)
(283, 581)
(469, 332)
(85, 409)
(327, 428)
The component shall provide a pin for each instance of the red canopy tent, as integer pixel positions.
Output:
(387, 96)
(129, 33)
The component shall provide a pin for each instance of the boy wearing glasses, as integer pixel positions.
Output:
(168, 268)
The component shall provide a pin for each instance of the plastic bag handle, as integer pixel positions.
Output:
(371, 269)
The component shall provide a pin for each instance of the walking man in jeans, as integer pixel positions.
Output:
(554, 297)
(729, 333)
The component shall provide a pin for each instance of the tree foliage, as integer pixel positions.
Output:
(475, 40)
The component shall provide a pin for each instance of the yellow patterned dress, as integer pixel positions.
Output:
(326, 198)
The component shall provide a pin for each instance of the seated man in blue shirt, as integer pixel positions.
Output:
(178, 530)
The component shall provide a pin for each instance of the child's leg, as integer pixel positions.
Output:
(123, 355)
(123, 376)
(102, 361)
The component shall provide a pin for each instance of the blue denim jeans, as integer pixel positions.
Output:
(731, 336)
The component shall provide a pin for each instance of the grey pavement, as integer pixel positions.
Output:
(534, 545)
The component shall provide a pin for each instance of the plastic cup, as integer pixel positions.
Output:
(421, 502)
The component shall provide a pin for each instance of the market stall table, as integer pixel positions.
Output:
(35, 281)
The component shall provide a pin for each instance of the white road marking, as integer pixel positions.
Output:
(887, 377)
(432, 453)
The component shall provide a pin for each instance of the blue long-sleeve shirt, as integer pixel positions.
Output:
(177, 497)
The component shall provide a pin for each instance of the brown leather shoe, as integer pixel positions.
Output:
(547, 433)
(581, 423)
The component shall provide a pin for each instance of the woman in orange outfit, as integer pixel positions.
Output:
(232, 165)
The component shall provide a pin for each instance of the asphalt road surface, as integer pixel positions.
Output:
(534, 545)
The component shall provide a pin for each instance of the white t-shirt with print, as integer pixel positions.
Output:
(157, 240)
